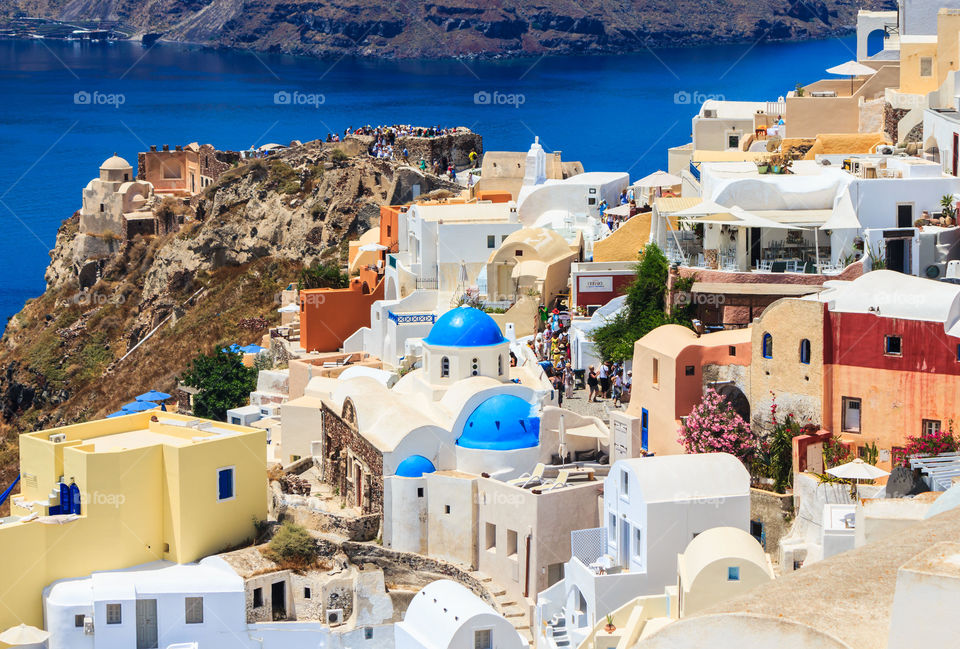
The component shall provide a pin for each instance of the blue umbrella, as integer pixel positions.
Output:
(137, 406)
(252, 349)
(118, 413)
(153, 395)
(232, 349)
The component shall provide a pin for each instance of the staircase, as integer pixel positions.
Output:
(558, 623)
(506, 605)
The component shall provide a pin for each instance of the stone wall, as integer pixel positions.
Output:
(343, 445)
(441, 148)
(891, 118)
(775, 512)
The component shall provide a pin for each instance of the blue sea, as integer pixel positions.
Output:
(68, 106)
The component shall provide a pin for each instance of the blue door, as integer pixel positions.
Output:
(75, 499)
(644, 429)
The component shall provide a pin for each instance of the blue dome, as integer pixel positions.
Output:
(501, 423)
(465, 327)
(414, 467)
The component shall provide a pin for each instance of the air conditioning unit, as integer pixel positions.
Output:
(56, 438)
(710, 113)
(87, 625)
(334, 616)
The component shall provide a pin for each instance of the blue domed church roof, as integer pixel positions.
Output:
(414, 467)
(501, 423)
(465, 327)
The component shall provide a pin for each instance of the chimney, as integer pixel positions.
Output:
(166, 147)
(179, 148)
(153, 148)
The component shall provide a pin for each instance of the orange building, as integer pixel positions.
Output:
(328, 316)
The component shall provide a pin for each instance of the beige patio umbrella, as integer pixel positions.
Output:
(23, 634)
(857, 470)
(658, 179)
(852, 69)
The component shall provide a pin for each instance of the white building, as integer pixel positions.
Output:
(445, 615)
(652, 508)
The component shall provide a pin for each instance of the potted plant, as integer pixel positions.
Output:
(858, 244)
(609, 628)
(949, 209)
(763, 166)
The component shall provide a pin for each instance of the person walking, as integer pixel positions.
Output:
(557, 381)
(617, 389)
(603, 374)
(592, 384)
(568, 380)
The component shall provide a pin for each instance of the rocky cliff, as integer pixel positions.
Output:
(414, 28)
(64, 359)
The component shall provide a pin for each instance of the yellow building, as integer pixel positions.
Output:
(177, 488)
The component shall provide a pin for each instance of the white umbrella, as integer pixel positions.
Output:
(619, 210)
(857, 470)
(290, 308)
(23, 634)
(658, 179)
(702, 208)
(371, 247)
(852, 69)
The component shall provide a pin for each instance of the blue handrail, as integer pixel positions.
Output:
(7, 491)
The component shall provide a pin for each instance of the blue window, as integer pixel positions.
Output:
(805, 351)
(958, 352)
(644, 429)
(733, 573)
(767, 346)
(225, 484)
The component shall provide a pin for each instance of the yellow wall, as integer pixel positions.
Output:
(910, 80)
(627, 241)
(134, 502)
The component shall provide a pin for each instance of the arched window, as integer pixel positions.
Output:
(475, 371)
(805, 351)
(500, 365)
(767, 346)
(444, 367)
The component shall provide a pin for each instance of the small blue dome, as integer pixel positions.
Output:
(414, 467)
(465, 327)
(501, 423)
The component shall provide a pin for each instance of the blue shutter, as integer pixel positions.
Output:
(75, 499)
(225, 484)
(644, 429)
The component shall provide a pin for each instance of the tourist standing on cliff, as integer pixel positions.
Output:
(473, 158)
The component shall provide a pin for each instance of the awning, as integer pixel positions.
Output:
(658, 179)
(619, 210)
(796, 218)
(739, 217)
(843, 216)
(673, 204)
(751, 288)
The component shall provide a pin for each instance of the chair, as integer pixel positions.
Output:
(562, 476)
(530, 479)
(778, 267)
(763, 265)
(808, 268)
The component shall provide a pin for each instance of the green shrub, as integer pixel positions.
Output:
(292, 547)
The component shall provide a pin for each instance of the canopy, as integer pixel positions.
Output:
(232, 349)
(252, 349)
(290, 308)
(701, 209)
(737, 216)
(658, 179)
(371, 247)
(851, 69)
(619, 210)
(153, 395)
(23, 634)
(844, 215)
(138, 406)
(857, 470)
(118, 413)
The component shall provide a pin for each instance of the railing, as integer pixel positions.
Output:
(428, 283)
(694, 170)
(411, 318)
(776, 108)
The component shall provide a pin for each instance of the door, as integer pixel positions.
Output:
(755, 246)
(278, 600)
(358, 484)
(624, 543)
(956, 143)
(905, 216)
(146, 624)
(644, 429)
(896, 254)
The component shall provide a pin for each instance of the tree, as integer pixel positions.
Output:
(715, 427)
(292, 547)
(644, 311)
(321, 275)
(223, 383)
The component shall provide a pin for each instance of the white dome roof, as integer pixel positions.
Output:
(115, 162)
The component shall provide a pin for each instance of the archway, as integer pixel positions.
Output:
(875, 41)
(931, 150)
(736, 398)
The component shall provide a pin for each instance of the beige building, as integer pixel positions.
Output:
(530, 259)
(109, 201)
(503, 171)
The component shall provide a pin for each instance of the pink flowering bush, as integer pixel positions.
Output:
(715, 427)
(935, 443)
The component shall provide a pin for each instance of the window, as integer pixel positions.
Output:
(444, 367)
(114, 615)
(491, 241)
(624, 484)
(483, 639)
(689, 370)
(368, 633)
(491, 537)
(503, 237)
(926, 66)
(101, 207)
(257, 597)
(193, 610)
(612, 527)
(732, 350)
(733, 141)
(235, 421)
(851, 415)
(767, 346)
(306, 592)
(446, 509)
(78, 621)
(388, 230)
(225, 484)
(500, 365)
(733, 573)
(511, 543)
(419, 492)
(554, 573)
(805, 351)
(892, 345)
(756, 531)
(931, 426)
(475, 367)
(656, 372)
(637, 541)
(518, 253)
(591, 201)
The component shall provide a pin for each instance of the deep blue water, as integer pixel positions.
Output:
(613, 113)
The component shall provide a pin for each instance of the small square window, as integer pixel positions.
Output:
(511, 543)
(419, 492)
(591, 201)
(114, 614)
(518, 253)
(491, 241)
(732, 350)
(483, 639)
(892, 345)
(931, 426)
(257, 597)
(850, 416)
(225, 484)
(733, 573)
(689, 370)
(78, 620)
(368, 633)
(446, 509)
(193, 610)
(926, 66)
